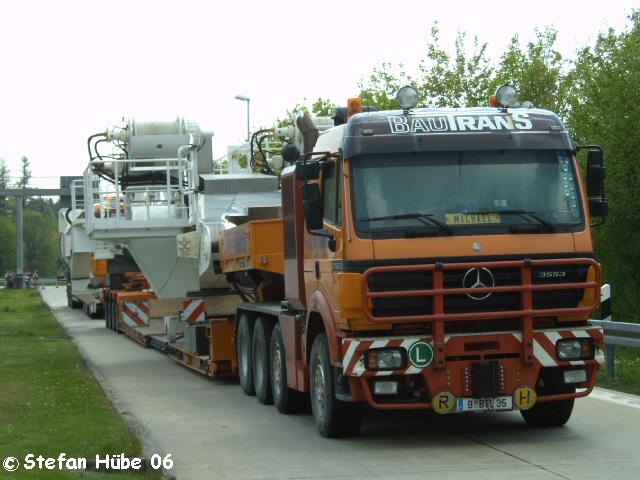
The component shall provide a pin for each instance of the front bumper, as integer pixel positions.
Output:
(456, 375)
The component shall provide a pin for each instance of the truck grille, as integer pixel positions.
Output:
(423, 280)
(483, 290)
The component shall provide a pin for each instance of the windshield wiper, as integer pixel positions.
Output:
(426, 218)
(523, 213)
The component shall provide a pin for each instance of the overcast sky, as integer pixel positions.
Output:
(70, 69)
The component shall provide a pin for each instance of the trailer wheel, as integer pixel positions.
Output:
(107, 315)
(115, 319)
(550, 414)
(71, 303)
(287, 400)
(260, 346)
(245, 361)
(333, 417)
(112, 314)
(98, 313)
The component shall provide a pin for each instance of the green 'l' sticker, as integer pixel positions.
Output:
(420, 354)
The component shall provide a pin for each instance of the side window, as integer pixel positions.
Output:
(329, 193)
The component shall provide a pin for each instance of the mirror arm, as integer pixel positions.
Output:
(319, 233)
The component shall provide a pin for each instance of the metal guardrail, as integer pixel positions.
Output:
(620, 334)
(616, 334)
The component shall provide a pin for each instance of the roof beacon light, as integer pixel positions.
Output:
(354, 105)
(407, 98)
(507, 96)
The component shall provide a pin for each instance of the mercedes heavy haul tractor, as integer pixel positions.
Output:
(424, 259)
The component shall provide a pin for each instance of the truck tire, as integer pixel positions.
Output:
(550, 414)
(286, 400)
(98, 313)
(107, 314)
(333, 417)
(260, 347)
(116, 317)
(245, 360)
(71, 303)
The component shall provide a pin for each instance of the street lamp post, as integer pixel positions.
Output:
(244, 98)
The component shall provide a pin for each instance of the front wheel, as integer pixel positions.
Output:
(334, 418)
(550, 414)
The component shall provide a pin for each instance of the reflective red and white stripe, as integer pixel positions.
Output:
(193, 310)
(544, 345)
(544, 349)
(136, 313)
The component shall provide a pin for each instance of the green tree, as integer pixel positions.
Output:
(444, 80)
(25, 173)
(40, 242)
(5, 173)
(382, 85)
(7, 245)
(604, 103)
(461, 80)
(538, 73)
(322, 107)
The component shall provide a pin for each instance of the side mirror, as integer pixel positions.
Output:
(596, 173)
(598, 207)
(308, 170)
(313, 206)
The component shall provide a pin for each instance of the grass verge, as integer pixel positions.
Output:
(627, 372)
(49, 401)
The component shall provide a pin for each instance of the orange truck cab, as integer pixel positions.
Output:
(434, 259)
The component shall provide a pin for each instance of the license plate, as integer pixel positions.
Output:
(485, 404)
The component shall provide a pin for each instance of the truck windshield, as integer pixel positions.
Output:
(444, 193)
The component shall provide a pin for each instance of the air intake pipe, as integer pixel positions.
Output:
(309, 131)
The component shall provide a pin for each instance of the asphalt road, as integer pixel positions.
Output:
(215, 432)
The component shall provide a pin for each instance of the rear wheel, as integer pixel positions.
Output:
(286, 400)
(333, 417)
(260, 346)
(550, 414)
(245, 360)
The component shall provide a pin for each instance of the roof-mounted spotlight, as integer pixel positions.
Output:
(507, 96)
(407, 98)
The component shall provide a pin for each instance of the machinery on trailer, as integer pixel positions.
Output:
(425, 259)
(151, 190)
(91, 266)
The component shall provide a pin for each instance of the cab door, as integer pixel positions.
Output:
(328, 263)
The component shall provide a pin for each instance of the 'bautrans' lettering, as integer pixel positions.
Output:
(459, 123)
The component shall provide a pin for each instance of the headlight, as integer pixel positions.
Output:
(575, 349)
(385, 359)
(407, 97)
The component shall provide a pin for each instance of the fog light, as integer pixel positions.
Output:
(385, 388)
(575, 349)
(507, 96)
(407, 97)
(385, 359)
(575, 376)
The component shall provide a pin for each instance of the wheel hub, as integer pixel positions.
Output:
(318, 383)
(277, 373)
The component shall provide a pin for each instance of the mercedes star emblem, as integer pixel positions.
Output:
(478, 278)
